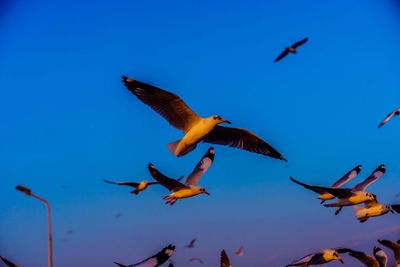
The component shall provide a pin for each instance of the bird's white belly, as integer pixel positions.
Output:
(193, 136)
(372, 212)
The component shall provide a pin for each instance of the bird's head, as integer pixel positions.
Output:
(216, 119)
(200, 190)
(332, 255)
(370, 196)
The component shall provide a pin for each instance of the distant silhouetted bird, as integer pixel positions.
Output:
(138, 186)
(154, 261)
(395, 247)
(224, 260)
(291, 49)
(195, 128)
(190, 187)
(191, 243)
(239, 251)
(7, 262)
(389, 116)
(197, 260)
(321, 257)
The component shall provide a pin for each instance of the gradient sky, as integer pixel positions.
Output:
(68, 122)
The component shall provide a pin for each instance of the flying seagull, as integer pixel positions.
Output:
(7, 262)
(224, 260)
(346, 197)
(395, 247)
(155, 260)
(389, 116)
(189, 188)
(191, 244)
(321, 257)
(324, 195)
(195, 128)
(373, 208)
(380, 258)
(291, 49)
(239, 251)
(372, 178)
(139, 187)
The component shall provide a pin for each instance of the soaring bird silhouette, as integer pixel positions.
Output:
(191, 243)
(389, 116)
(195, 128)
(291, 49)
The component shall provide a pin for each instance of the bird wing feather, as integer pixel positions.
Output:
(200, 168)
(169, 183)
(168, 105)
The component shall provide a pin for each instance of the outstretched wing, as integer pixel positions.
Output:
(7, 262)
(133, 184)
(201, 168)
(375, 175)
(169, 183)
(157, 259)
(362, 257)
(224, 260)
(299, 43)
(168, 105)
(282, 55)
(305, 260)
(347, 177)
(242, 139)
(388, 117)
(337, 192)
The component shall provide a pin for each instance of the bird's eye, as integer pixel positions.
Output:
(215, 117)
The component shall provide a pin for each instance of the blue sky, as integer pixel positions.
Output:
(67, 122)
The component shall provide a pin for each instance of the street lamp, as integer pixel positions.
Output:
(28, 192)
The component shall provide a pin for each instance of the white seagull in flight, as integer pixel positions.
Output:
(380, 258)
(373, 208)
(395, 247)
(189, 188)
(196, 129)
(155, 260)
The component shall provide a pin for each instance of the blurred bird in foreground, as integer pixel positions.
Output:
(224, 260)
(155, 260)
(7, 262)
(380, 258)
(291, 49)
(196, 129)
(395, 247)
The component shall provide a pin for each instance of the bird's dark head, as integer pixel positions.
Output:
(218, 119)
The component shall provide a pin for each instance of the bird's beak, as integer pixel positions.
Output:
(205, 192)
(226, 121)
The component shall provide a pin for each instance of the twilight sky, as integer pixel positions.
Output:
(67, 123)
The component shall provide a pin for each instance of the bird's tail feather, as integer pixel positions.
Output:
(172, 146)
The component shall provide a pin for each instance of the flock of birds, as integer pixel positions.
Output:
(198, 130)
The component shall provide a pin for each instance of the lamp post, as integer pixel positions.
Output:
(28, 192)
